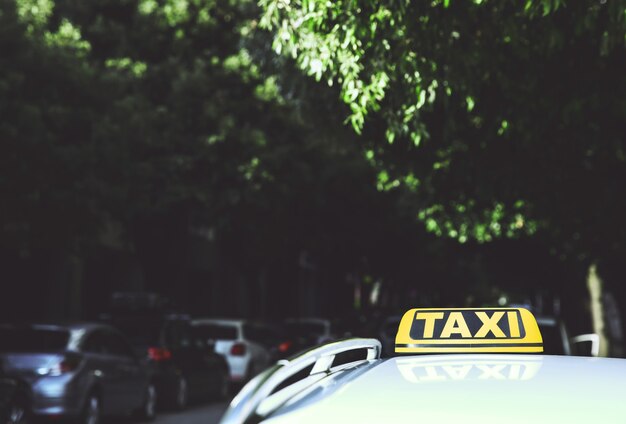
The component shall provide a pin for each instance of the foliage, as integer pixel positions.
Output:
(131, 122)
(496, 118)
(45, 121)
(130, 108)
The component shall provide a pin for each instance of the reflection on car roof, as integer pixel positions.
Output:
(472, 388)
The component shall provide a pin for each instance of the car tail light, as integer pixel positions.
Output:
(67, 364)
(284, 346)
(238, 349)
(159, 354)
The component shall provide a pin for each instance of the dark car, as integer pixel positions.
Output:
(79, 371)
(285, 344)
(184, 367)
(14, 401)
(387, 335)
(315, 330)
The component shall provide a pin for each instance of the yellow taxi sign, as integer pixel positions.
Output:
(468, 330)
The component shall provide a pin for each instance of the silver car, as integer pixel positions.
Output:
(78, 371)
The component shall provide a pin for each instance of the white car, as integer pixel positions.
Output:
(245, 345)
(492, 372)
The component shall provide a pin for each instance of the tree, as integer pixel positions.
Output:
(158, 117)
(44, 118)
(499, 116)
(496, 119)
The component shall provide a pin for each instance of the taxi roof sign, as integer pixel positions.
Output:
(468, 330)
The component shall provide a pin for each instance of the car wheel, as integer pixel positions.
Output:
(182, 394)
(147, 411)
(18, 412)
(91, 411)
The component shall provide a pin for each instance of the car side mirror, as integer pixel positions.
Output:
(585, 344)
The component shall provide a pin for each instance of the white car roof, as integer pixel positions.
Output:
(467, 388)
(218, 321)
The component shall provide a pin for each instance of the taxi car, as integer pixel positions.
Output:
(455, 365)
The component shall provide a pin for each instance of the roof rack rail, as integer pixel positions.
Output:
(244, 408)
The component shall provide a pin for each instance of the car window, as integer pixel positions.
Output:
(176, 333)
(208, 332)
(116, 345)
(32, 340)
(109, 346)
(260, 334)
(93, 343)
(140, 331)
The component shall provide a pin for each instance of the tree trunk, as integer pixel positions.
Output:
(594, 284)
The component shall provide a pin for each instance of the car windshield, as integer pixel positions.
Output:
(215, 332)
(22, 340)
(295, 329)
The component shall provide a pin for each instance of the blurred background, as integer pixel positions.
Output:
(288, 173)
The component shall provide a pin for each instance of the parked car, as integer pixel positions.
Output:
(556, 340)
(285, 344)
(299, 334)
(387, 335)
(356, 325)
(316, 330)
(245, 345)
(183, 368)
(14, 401)
(79, 371)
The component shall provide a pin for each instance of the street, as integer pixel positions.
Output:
(199, 414)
